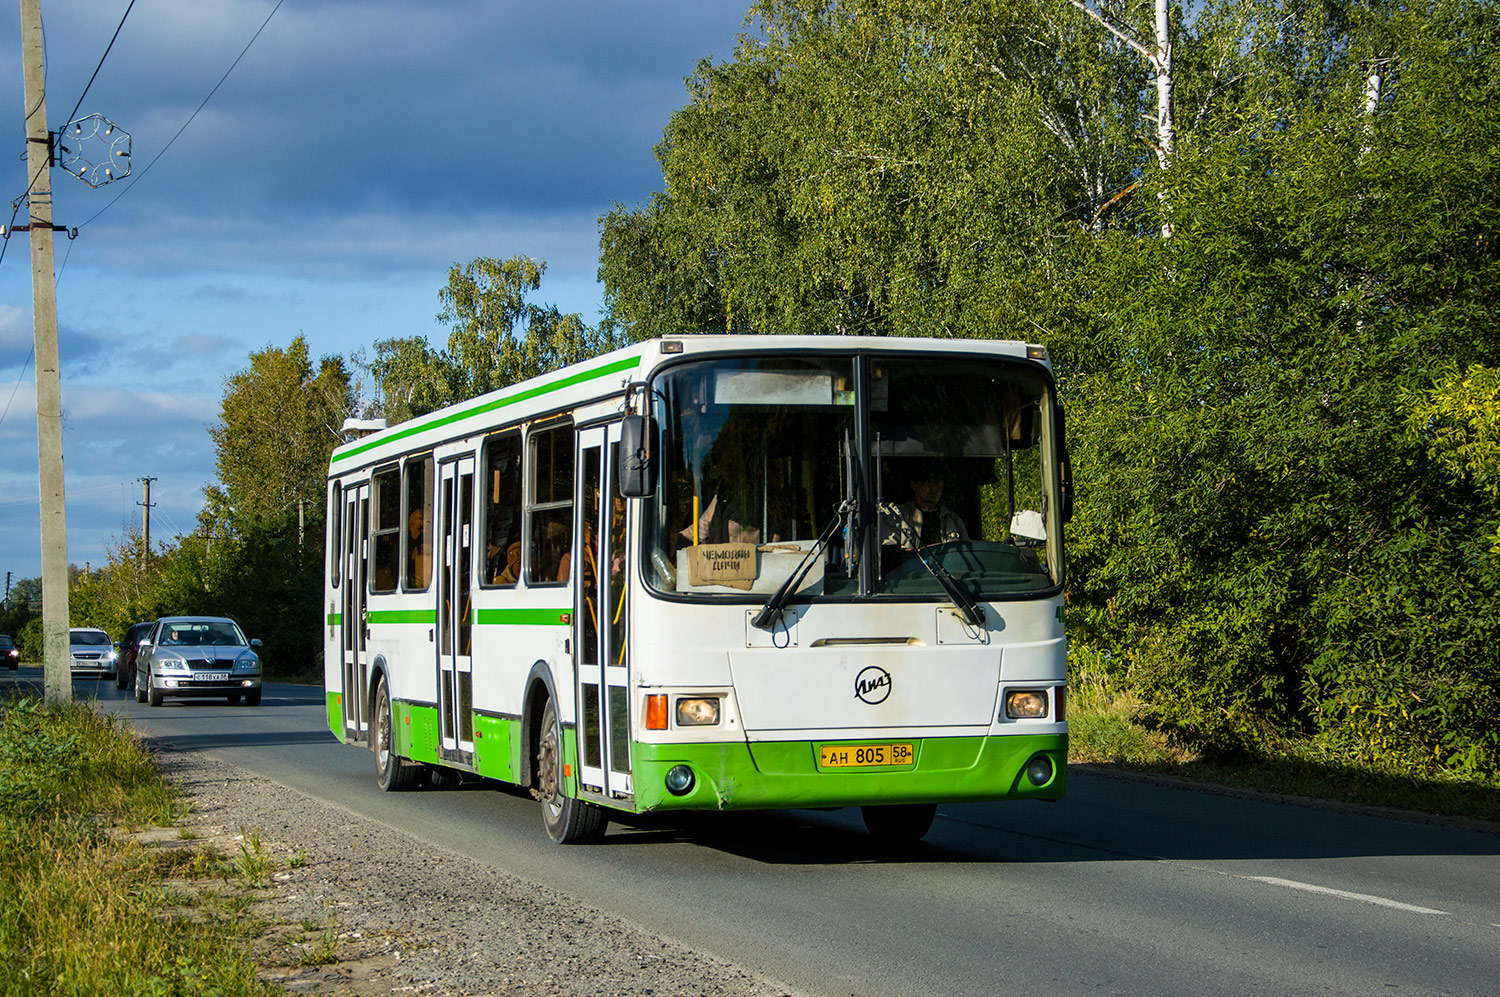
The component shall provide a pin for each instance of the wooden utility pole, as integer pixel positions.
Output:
(54, 527)
(146, 505)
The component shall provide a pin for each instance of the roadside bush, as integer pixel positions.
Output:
(79, 911)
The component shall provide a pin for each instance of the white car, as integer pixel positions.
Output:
(91, 651)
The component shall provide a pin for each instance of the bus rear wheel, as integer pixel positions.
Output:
(899, 823)
(392, 773)
(569, 821)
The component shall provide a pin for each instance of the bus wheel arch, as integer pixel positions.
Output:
(540, 690)
(568, 819)
(379, 670)
(392, 772)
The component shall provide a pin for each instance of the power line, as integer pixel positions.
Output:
(24, 368)
(101, 63)
(195, 113)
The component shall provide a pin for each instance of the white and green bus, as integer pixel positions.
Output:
(713, 573)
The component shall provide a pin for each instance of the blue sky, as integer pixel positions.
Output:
(355, 153)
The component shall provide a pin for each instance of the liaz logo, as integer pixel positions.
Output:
(872, 685)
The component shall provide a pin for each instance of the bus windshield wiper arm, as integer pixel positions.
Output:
(971, 611)
(771, 611)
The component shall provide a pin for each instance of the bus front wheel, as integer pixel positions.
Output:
(569, 821)
(392, 773)
(899, 823)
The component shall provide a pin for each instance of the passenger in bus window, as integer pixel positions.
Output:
(718, 524)
(505, 570)
(418, 551)
(924, 520)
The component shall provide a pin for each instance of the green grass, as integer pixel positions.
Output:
(84, 912)
(1104, 729)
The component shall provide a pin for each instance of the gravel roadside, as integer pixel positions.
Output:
(348, 884)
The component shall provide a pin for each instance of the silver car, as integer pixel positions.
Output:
(91, 652)
(197, 656)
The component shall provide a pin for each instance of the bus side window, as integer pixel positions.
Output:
(502, 510)
(417, 537)
(550, 506)
(385, 538)
(335, 533)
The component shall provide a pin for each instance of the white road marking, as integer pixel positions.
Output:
(1346, 895)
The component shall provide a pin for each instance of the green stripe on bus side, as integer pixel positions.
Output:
(629, 363)
(402, 616)
(521, 617)
(334, 619)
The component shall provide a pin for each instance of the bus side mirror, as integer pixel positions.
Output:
(637, 471)
(1065, 466)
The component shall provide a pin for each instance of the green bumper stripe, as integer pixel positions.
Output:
(521, 617)
(403, 616)
(736, 775)
(422, 426)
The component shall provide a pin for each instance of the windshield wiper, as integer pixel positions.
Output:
(772, 610)
(971, 612)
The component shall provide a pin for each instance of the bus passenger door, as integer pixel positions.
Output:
(599, 620)
(354, 547)
(455, 611)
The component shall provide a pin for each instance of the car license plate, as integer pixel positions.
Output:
(213, 676)
(833, 756)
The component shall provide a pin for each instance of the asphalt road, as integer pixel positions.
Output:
(1128, 886)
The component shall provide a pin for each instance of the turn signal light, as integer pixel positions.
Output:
(656, 712)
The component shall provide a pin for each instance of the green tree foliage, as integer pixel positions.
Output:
(498, 337)
(877, 167)
(278, 423)
(1288, 521)
(257, 553)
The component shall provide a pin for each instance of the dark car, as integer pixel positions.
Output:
(130, 647)
(10, 657)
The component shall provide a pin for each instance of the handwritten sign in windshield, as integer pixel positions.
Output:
(732, 565)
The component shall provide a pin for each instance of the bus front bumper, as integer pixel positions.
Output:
(791, 774)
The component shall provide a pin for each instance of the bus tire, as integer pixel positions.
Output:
(899, 823)
(569, 821)
(392, 773)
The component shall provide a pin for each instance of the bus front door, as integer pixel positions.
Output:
(603, 672)
(455, 611)
(354, 548)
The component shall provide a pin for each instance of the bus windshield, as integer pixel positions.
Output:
(925, 477)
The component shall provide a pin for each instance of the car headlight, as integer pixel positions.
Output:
(173, 665)
(247, 663)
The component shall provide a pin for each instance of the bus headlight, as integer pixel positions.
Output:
(699, 712)
(1026, 704)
